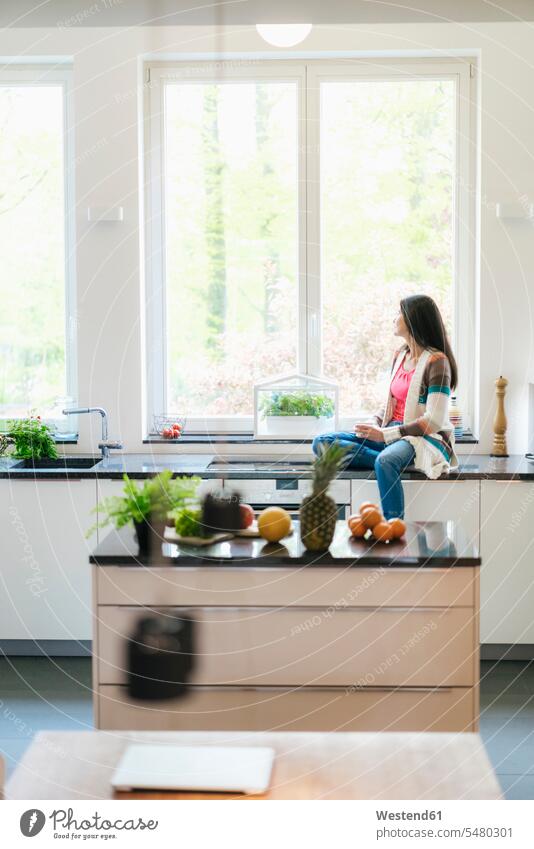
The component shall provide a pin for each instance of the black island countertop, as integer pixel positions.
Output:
(426, 544)
(211, 466)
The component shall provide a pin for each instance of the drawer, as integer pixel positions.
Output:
(312, 646)
(280, 586)
(272, 709)
(285, 490)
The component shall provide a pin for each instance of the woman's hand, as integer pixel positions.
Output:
(372, 432)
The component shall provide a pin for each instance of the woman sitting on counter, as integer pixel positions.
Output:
(413, 427)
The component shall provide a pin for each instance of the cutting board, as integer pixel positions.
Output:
(171, 535)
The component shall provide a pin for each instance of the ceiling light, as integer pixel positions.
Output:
(284, 35)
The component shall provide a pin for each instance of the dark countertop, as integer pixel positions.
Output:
(472, 467)
(427, 544)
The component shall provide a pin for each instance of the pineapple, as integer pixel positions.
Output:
(318, 512)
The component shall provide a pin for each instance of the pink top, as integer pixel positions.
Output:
(399, 389)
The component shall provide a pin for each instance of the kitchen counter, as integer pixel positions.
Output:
(208, 466)
(426, 544)
(365, 637)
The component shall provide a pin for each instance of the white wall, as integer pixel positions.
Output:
(107, 85)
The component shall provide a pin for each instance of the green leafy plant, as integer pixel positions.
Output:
(153, 500)
(297, 404)
(32, 439)
(188, 522)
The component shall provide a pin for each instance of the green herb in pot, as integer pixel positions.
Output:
(297, 404)
(32, 439)
(153, 500)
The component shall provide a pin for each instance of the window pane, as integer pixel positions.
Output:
(387, 195)
(32, 227)
(231, 241)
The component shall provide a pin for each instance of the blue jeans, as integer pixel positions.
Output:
(388, 461)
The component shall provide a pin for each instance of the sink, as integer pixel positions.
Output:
(260, 466)
(71, 462)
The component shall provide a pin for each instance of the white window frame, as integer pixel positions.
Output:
(308, 74)
(47, 75)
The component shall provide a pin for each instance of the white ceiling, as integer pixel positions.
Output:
(26, 13)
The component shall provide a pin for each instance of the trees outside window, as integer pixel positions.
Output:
(290, 208)
(35, 283)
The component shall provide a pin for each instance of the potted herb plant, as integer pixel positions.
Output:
(147, 506)
(31, 439)
(297, 413)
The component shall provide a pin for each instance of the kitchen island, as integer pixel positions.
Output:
(365, 637)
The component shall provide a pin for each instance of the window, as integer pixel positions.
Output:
(36, 283)
(290, 207)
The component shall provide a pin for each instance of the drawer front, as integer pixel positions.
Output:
(284, 491)
(221, 709)
(371, 587)
(312, 646)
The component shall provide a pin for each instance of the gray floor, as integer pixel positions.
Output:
(55, 693)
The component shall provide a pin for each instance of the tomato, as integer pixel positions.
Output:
(167, 433)
(177, 426)
(247, 515)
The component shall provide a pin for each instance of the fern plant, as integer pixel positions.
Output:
(152, 501)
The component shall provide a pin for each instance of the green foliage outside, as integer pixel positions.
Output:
(297, 404)
(387, 181)
(232, 241)
(32, 227)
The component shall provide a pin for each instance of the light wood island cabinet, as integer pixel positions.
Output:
(364, 637)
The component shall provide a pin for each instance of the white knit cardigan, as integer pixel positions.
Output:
(428, 413)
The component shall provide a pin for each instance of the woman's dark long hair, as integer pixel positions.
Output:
(424, 322)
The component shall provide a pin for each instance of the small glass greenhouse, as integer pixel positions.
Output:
(294, 406)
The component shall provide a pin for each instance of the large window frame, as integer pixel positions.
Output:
(308, 76)
(43, 76)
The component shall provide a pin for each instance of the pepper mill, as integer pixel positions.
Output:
(499, 448)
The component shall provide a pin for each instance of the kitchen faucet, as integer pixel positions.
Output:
(105, 444)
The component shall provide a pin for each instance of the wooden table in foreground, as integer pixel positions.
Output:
(73, 765)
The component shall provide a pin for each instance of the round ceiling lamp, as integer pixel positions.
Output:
(284, 35)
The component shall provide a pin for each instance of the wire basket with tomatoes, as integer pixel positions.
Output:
(170, 427)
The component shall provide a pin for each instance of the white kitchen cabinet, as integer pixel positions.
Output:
(507, 572)
(44, 571)
(428, 501)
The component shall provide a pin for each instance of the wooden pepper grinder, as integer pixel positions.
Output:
(499, 448)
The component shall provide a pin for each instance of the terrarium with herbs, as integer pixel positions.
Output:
(294, 406)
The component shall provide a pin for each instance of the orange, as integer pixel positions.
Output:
(382, 531)
(365, 504)
(274, 523)
(398, 528)
(371, 516)
(356, 525)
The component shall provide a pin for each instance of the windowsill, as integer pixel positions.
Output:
(248, 439)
